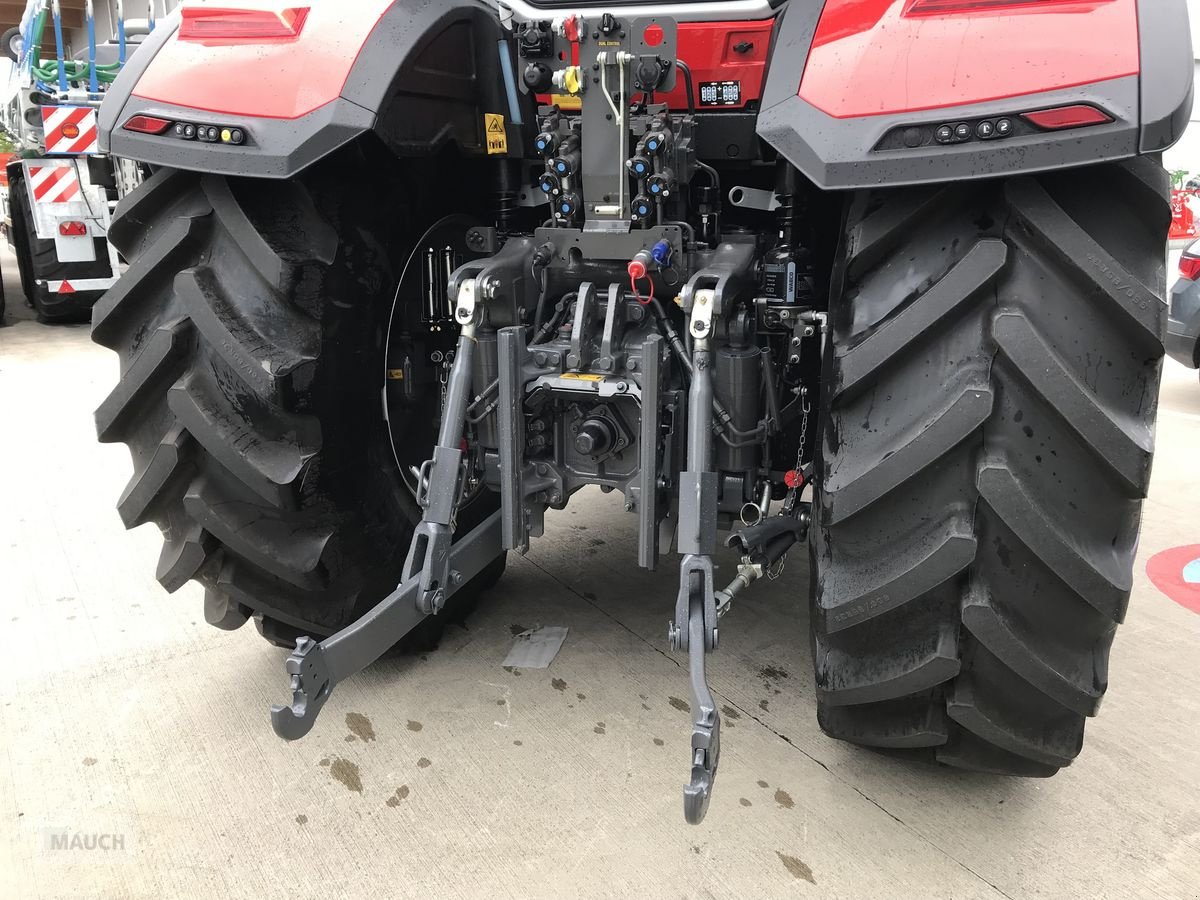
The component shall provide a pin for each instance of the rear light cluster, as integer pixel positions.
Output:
(188, 131)
(210, 23)
(1025, 124)
(1189, 266)
(72, 229)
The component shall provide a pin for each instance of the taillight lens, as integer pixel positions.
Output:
(72, 229)
(1189, 267)
(210, 23)
(1076, 116)
(146, 124)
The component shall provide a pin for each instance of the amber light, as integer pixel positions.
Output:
(146, 124)
(204, 23)
(1077, 116)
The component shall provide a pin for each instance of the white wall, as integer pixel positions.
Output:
(1186, 154)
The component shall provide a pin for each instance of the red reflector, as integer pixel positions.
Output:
(203, 23)
(653, 35)
(65, 288)
(1067, 117)
(1189, 267)
(72, 229)
(793, 478)
(146, 124)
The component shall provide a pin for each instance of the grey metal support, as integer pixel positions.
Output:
(614, 323)
(429, 552)
(694, 628)
(511, 421)
(580, 355)
(698, 484)
(315, 669)
(648, 443)
(458, 391)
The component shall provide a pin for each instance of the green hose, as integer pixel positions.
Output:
(75, 71)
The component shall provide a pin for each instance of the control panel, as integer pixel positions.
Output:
(593, 69)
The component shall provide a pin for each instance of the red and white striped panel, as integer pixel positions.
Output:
(70, 129)
(53, 183)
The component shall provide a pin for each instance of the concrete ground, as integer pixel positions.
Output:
(124, 714)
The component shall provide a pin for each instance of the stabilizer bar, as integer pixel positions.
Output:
(317, 668)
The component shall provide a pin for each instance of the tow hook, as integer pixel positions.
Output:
(695, 630)
(697, 610)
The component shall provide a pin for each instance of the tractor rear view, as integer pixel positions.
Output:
(409, 275)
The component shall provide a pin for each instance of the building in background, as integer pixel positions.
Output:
(74, 30)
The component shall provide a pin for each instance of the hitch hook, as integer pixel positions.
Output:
(695, 630)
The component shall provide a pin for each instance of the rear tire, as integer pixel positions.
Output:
(38, 263)
(250, 326)
(987, 440)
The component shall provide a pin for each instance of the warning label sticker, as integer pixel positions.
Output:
(497, 137)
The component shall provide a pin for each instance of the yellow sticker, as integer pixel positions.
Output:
(566, 101)
(395, 374)
(497, 137)
(582, 376)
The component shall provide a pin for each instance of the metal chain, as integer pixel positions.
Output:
(794, 493)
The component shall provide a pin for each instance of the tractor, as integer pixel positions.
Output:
(877, 280)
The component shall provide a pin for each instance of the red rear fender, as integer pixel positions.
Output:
(889, 92)
(264, 77)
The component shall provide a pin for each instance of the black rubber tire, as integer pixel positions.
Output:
(986, 444)
(250, 326)
(7, 42)
(38, 261)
